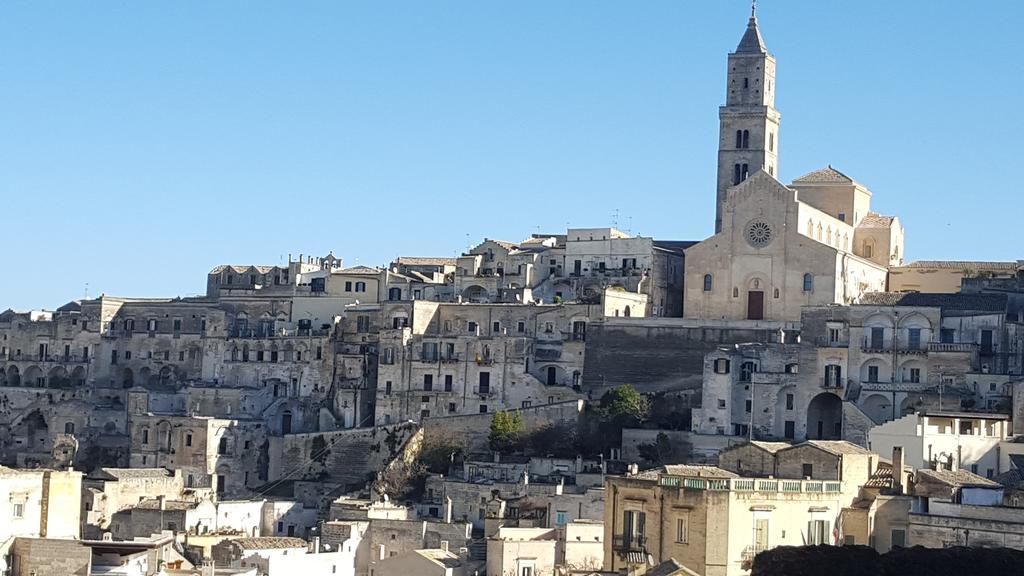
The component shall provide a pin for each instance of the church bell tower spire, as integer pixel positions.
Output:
(748, 123)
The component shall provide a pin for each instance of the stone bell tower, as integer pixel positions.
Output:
(749, 123)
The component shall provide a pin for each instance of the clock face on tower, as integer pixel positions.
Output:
(758, 233)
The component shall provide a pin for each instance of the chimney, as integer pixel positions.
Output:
(163, 502)
(444, 545)
(448, 509)
(316, 545)
(634, 469)
(897, 469)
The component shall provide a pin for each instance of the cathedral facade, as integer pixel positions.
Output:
(777, 248)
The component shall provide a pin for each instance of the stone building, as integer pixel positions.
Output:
(946, 276)
(777, 248)
(448, 359)
(710, 520)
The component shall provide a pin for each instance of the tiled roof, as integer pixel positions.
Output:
(358, 270)
(241, 269)
(964, 265)
(418, 261)
(772, 447)
(125, 473)
(269, 542)
(505, 245)
(691, 470)
(957, 479)
(824, 175)
(958, 301)
(838, 447)
(875, 220)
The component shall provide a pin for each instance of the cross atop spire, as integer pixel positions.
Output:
(752, 41)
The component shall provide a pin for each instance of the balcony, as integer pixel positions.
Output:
(826, 342)
(885, 346)
(761, 485)
(483, 391)
(48, 358)
(830, 383)
(631, 543)
(960, 347)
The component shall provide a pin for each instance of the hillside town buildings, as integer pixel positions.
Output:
(806, 386)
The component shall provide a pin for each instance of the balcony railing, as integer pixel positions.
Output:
(483, 390)
(762, 485)
(631, 543)
(886, 346)
(48, 358)
(952, 347)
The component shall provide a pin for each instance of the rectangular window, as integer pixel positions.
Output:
(807, 470)
(761, 540)
(471, 327)
(790, 429)
(721, 403)
(633, 529)
(520, 327)
(151, 325)
(348, 286)
(18, 510)
(681, 532)
(496, 328)
(914, 338)
(748, 406)
(451, 407)
(877, 338)
(833, 335)
(721, 366)
(145, 436)
(447, 382)
(177, 324)
(483, 408)
(947, 335)
(387, 388)
(789, 401)
(817, 532)
(872, 373)
(899, 538)
(915, 375)
(485, 382)
(428, 382)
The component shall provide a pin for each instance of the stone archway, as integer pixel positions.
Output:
(825, 417)
(878, 407)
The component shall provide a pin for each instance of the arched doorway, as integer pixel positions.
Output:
(825, 417)
(626, 312)
(13, 376)
(286, 422)
(878, 407)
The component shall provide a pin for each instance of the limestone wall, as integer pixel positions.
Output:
(472, 430)
(344, 457)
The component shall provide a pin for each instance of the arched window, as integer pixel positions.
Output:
(625, 311)
(735, 292)
(810, 228)
(739, 138)
(708, 281)
(776, 295)
(69, 428)
(819, 231)
(360, 286)
(808, 282)
(746, 139)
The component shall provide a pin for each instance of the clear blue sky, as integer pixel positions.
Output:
(142, 143)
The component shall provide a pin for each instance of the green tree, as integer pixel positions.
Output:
(624, 406)
(506, 431)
